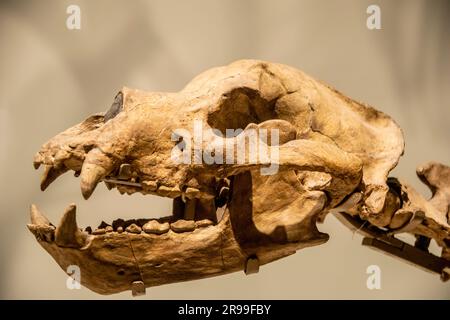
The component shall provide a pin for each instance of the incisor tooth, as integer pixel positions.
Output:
(67, 233)
(37, 160)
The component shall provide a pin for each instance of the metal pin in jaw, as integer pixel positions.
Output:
(125, 183)
(138, 288)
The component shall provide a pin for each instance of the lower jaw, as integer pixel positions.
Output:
(112, 262)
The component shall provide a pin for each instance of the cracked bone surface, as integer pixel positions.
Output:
(333, 154)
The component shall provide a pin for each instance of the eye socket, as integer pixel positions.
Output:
(115, 108)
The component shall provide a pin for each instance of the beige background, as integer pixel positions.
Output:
(52, 78)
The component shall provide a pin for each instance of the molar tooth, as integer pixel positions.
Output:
(99, 231)
(67, 233)
(169, 192)
(192, 192)
(203, 223)
(134, 228)
(119, 229)
(109, 229)
(189, 209)
(183, 226)
(150, 185)
(155, 227)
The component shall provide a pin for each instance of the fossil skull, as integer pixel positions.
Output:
(226, 216)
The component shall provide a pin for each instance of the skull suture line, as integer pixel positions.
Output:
(333, 153)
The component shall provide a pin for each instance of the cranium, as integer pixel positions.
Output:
(332, 153)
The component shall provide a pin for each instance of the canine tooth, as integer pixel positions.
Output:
(37, 217)
(150, 185)
(109, 229)
(67, 233)
(99, 231)
(183, 226)
(189, 209)
(155, 227)
(91, 174)
(133, 228)
(203, 223)
(50, 174)
(192, 192)
(124, 171)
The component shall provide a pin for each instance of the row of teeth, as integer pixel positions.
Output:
(152, 187)
(155, 227)
(126, 181)
(67, 234)
(127, 178)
